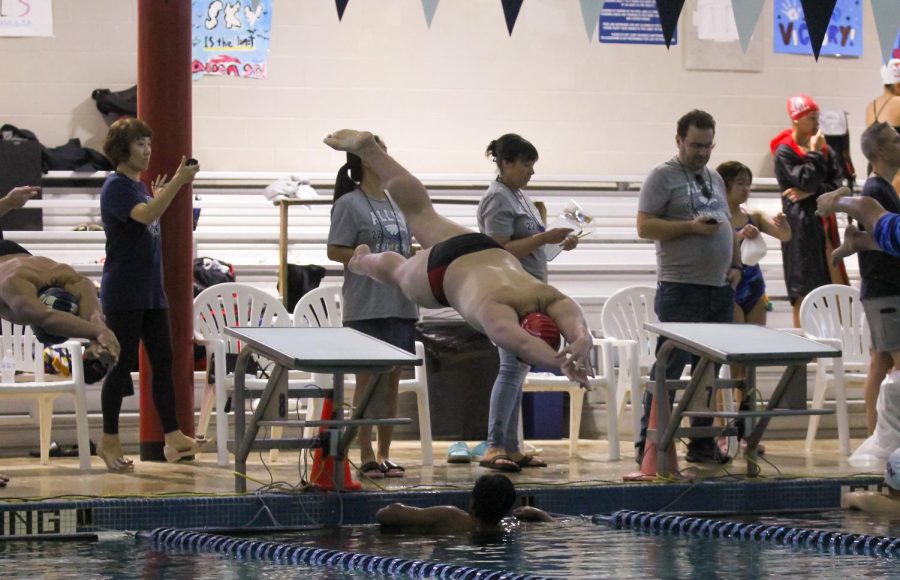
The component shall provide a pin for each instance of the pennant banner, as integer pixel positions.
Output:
(887, 23)
(590, 12)
(341, 6)
(669, 11)
(430, 7)
(818, 15)
(746, 15)
(511, 12)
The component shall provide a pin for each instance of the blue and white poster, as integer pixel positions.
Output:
(230, 38)
(632, 22)
(843, 38)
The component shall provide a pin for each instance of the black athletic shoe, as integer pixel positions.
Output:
(709, 455)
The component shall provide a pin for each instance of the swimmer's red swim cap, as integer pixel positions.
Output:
(542, 326)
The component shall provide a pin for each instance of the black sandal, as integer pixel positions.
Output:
(391, 469)
(371, 470)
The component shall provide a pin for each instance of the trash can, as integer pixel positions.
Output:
(462, 364)
(542, 416)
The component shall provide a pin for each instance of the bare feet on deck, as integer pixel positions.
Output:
(350, 140)
(826, 203)
(359, 253)
(109, 449)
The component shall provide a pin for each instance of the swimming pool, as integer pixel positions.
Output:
(573, 548)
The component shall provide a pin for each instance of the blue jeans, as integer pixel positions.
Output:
(506, 400)
(677, 302)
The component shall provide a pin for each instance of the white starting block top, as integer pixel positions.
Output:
(323, 350)
(736, 343)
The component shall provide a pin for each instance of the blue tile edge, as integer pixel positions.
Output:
(317, 508)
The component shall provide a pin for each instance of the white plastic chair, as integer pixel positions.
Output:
(217, 307)
(321, 307)
(833, 314)
(28, 354)
(622, 319)
(605, 380)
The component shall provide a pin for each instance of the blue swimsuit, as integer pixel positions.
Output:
(752, 287)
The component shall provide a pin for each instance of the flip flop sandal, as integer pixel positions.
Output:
(459, 453)
(371, 470)
(508, 464)
(391, 469)
(530, 461)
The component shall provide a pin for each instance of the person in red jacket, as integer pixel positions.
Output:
(806, 168)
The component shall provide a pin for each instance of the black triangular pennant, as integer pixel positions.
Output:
(511, 12)
(818, 15)
(669, 11)
(341, 6)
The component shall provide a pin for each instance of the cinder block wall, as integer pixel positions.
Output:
(437, 96)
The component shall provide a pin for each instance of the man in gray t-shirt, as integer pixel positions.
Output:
(682, 207)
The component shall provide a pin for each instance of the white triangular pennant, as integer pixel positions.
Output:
(746, 15)
(430, 7)
(887, 22)
(590, 11)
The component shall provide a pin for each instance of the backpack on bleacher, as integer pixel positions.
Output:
(209, 272)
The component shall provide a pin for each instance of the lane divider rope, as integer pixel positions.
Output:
(824, 541)
(283, 553)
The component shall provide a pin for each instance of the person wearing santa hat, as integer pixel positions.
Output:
(805, 168)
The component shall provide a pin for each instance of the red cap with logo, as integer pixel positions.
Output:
(800, 106)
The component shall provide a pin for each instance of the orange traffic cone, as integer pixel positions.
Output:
(322, 473)
(648, 470)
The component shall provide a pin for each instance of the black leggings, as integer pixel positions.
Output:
(151, 326)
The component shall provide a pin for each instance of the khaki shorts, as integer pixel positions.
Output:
(883, 316)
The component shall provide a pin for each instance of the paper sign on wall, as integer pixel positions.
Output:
(843, 36)
(230, 38)
(26, 18)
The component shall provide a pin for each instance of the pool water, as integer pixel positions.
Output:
(569, 549)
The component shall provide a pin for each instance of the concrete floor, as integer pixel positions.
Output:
(62, 478)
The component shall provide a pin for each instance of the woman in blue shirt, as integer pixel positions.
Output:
(131, 290)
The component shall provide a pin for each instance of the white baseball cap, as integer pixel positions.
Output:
(890, 73)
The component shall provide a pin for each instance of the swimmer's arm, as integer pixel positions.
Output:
(445, 516)
(872, 502)
(527, 513)
(340, 254)
(777, 227)
(501, 324)
(26, 308)
(576, 356)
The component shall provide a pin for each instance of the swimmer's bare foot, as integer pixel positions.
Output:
(359, 253)
(826, 204)
(854, 241)
(350, 140)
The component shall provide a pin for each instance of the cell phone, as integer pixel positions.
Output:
(192, 161)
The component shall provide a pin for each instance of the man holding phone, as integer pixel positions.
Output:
(682, 207)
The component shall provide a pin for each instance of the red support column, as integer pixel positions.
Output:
(164, 102)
